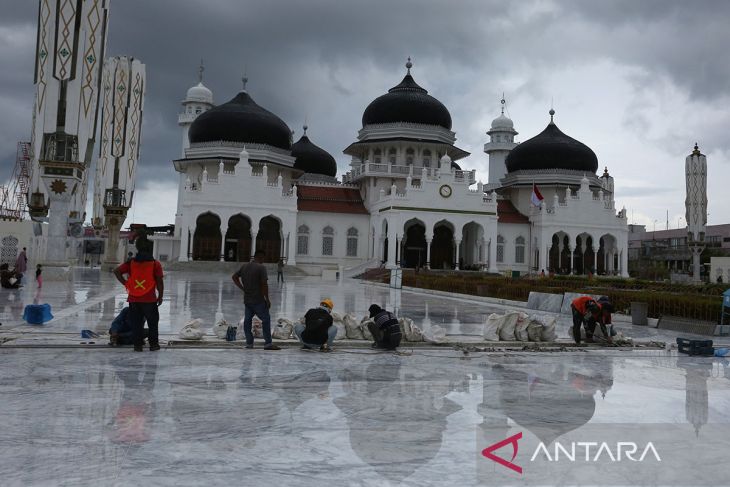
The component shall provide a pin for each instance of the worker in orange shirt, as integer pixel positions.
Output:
(588, 312)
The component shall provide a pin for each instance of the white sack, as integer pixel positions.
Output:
(548, 329)
(534, 330)
(491, 327)
(339, 323)
(220, 329)
(353, 329)
(192, 330)
(283, 329)
(435, 335)
(507, 330)
(521, 327)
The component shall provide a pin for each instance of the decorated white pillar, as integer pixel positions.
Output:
(457, 264)
(392, 264)
(696, 207)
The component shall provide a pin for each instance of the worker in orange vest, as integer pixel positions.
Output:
(588, 312)
(143, 278)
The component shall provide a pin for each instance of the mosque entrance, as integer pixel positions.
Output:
(414, 246)
(269, 238)
(238, 239)
(442, 247)
(207, 237)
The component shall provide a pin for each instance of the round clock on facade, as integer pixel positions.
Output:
(445, 190)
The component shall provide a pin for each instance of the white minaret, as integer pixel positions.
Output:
(70, 49)
(123, 90)
(695, 166)
(501, 141)
(199, 99)
(607, 181)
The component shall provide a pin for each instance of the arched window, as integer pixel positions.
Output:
(198, 110)
(500, 248)
(427, 158)
(377, 156)
(391, 155)
(352, 242)
(520, 250)
(303, 240)
(410, 155)
(328, 237)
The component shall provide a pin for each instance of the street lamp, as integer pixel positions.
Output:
(655, 225)
(679, 218)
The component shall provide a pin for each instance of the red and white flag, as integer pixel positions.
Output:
(536, 197)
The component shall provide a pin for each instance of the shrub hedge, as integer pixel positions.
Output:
(687, 301)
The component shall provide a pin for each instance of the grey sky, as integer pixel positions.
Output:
(638, 81)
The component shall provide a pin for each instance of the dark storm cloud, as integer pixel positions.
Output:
(326, 60)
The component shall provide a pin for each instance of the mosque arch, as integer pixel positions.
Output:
(415, 251)
(207, 237)
(269, 238)
(472, 251)
(238, 239)
(442, 246)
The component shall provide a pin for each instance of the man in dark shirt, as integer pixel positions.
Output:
(385, 329)
(252, 279)
(318, 329)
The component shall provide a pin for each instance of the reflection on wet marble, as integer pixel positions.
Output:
(225, 417)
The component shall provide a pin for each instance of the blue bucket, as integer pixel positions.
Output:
(37, 314)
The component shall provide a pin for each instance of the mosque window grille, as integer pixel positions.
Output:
(520, 250)
(378, 156)
(427, 158)
(410, 156)
(303, 240)
(500, 248)
(392, 156)
(328, 237)
(352, 242)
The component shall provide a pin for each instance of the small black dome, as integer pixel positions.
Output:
(552, 149)
(240, 120)
(312, 159)
(407, 102)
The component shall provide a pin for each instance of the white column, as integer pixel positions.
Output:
(183, 257)
(595, 260)
(457, 265)
(292, 245)
(428, 253)
(624, 262)
(254, 233)
(492, 255)
(223, 243)
(392, 264)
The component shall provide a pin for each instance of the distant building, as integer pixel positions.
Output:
(669, 248)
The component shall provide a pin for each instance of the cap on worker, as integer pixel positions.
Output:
(605, 304)
(327, 302)
(374, 309)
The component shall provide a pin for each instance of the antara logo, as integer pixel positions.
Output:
(487, 452)
(588, 451)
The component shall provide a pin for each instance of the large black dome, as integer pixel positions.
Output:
(552, 149)
(407, 102)
(312, 159)
(240, 120)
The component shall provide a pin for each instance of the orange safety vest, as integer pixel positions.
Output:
(581, 302)
(141, 278)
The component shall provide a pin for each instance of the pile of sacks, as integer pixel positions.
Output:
(348, 327)
(521, 327)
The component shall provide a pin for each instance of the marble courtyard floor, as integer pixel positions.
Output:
(102, 416)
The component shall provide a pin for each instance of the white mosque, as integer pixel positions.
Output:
(407, 199)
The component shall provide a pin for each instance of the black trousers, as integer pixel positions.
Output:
(279, 275)
(138, 313)
(383, 339)
(589, 324)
